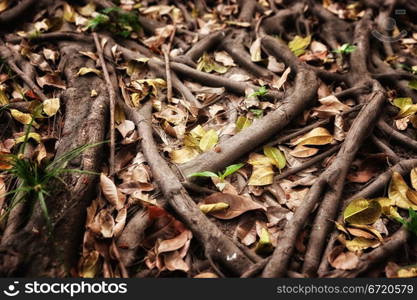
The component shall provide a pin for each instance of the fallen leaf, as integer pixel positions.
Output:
(282, 79)
(237, 205)
(206, 275)
(110, 191)
(362, 211)
(299, 44)
(343, 260)
(255, 50)
(208, 140)
(83, 71)
(224, 58)
(175, 243)
(105, 223)
(210, 208)
(360, 244)
(206, 64)
(317, 136)
(264, 245)
(183, 155)
(397, 191)
(51, 106)
(302, 151)
(173, 261)
(262, 173)
(276, 156)
(242, 122)
(89, 265)
(2, 192)
(23, 118)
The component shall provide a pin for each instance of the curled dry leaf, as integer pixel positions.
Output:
(175, 243)
(237, 205)
(183, 155)
(106, 223)
(120, 222)
(255, 50)
(84, 71)
(330, 106)
(262, 173)
(110, 191)
(89, 265)
(51, 106)
(2, 192)
(206, 275)
(210, 208)
(397, 191)
(317, 136)
(360, 244)
(342, 260)
(302, 151)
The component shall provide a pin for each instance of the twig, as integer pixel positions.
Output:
(112, 96)
(166, 49)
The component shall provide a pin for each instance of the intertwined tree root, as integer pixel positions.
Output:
(84, 122)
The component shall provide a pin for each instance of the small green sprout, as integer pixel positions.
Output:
(262, 91)
(346, 49)
(411, 223)
(221, 175)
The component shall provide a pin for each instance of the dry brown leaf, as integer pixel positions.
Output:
(110, 191)
(237, 205)
(175, 243)
(343, 260)
(317, 136)
(302, 151)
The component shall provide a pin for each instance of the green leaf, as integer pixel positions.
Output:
(362, 212)
(203, 174)
(299, 44)
(231, 169)
(258, 113)
(276, 156)
(413, 84)
(262, 91)
(346, 49)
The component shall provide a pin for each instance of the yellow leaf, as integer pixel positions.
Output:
(69, 13)
(51, 106)
(183, 155)
(264, 245)
(83, 71)
(397, 191)
(209, 140)
(197, 132)
(262, 174)
(317, 136)
(3, 97)
(360, 243)
(89, 265)
(207, 208)
(299, 44)
(207, 64)
(3, 5)
(87, 10)
(413, 176)
(276, 156)
(362, 212)
(31, 135)
(407, 272)
(242, 123)
(255, 50)
(406, 106)
(302, 151)
(23, 118)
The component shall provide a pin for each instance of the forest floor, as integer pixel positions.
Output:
(208, 138)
